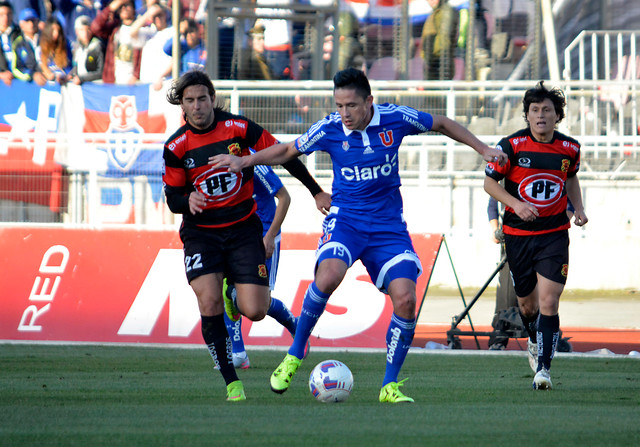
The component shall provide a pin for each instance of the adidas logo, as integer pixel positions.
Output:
(368, 150)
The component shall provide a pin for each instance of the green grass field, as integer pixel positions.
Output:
(111, 395)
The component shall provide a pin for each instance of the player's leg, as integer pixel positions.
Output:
(203, 268)
(399, 336)
(240, 356)
(329, 275)
(549, 321)
(208, 290)
(341, 244)
(246, 268)
(394, 268)
(520, 251)
(277, 309)
(552, 266)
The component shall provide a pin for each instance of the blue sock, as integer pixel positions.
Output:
(282, 315)
(399, 337)
(234, 328)
(313, 306)
(547, 336)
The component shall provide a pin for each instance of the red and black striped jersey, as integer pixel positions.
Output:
(536, 173)
(228, 195)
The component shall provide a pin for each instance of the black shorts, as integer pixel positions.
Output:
(237, 251)
(546, 254)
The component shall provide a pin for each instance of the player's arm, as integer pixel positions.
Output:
(284, 154)
(277, 154)
(284, 200)
(461, 134)
(575, 195)
(180, 199)
(525, 211)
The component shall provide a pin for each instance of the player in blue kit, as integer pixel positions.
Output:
(366, 217)
(267, 190)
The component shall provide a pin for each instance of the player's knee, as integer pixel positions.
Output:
(404, 304)
(255, 314)
(330, 274)
(529, 309)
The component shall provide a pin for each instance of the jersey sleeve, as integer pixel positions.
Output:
(174, 180)
(258, 138)
(416, 121)
(311, 140)
(494, 170)
(575, 166)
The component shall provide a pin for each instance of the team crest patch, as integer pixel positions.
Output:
(345, 145)
(234, 149)
(386, 137)
(262, 270)
(565, 165)
(565, 270)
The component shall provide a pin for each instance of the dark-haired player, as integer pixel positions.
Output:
(365, 221)
(221, 233)
(538, 178)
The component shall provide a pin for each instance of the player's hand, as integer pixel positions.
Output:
(495, 155)
(526, 211)
(196, 202)
(580, 218)
(233, 162)
(323, 202)
(269, 245)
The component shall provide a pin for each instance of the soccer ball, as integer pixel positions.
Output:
(331, 381)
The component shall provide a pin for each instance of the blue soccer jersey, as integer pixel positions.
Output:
(265, 186)
(365, 163)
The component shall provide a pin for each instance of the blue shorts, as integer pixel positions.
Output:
(272, 263)
(384, 247)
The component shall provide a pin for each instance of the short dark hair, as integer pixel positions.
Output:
(6, 4)
(539, 93)
(192, 77)
(352, 78)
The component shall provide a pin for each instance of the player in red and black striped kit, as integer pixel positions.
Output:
(538, 178)
(220, 230)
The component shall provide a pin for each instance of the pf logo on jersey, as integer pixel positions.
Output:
(541, 189)
(218, 184)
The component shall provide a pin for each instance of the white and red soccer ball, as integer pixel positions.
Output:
(331, 381)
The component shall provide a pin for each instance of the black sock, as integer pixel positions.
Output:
(530, 324)
(548, 334)
(216, 337)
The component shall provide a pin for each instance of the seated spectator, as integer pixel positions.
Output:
(192, 49)
(88, 54)
(26, 51)
(155, 64)
(8, 33)
(55, 52)
(113, 25)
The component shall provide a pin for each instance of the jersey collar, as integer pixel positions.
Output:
(375, 121)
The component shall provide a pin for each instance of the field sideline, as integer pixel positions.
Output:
(90, 395)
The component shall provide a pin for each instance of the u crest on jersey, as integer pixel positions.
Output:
(386, 137)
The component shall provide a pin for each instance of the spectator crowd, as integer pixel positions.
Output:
(130, 41)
